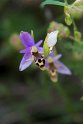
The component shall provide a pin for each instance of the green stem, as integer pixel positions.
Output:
(74, 25)
(72, 38)
(77, 34)
(66, 2)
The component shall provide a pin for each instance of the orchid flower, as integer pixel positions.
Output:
(54, 66)
(50, 41)
(31, 50)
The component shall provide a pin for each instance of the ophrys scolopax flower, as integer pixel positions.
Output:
(31, 51)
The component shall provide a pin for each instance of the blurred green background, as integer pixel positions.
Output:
(30, 97)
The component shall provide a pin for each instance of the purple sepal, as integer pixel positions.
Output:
(38, 43)
(61, 68)
(26, 61)
(26, 39)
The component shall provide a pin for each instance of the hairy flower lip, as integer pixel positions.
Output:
(61, 68)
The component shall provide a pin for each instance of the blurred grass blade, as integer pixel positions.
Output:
(52, 2)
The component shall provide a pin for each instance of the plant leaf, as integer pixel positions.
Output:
(52, 2)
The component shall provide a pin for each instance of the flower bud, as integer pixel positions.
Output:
(15, 42)
(81, 98)
(64, 31)
(68, 19)
(77, 36)
(76, 9)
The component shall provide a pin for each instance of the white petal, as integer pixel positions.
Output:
(52, 38)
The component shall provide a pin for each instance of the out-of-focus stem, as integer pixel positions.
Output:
(66, 2)
(72, 38)
(68, 102)
(74, 25)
